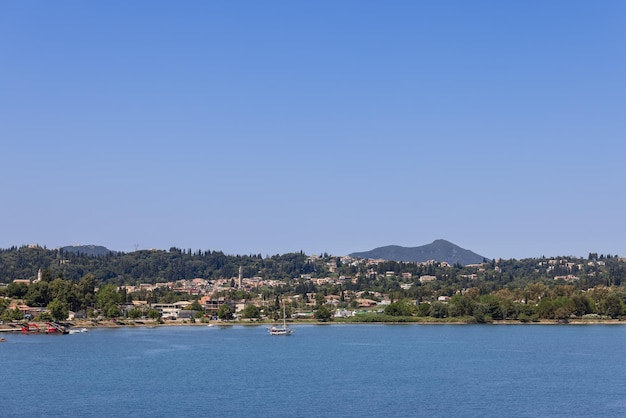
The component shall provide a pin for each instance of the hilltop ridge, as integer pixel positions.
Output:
(439, 250)
(92, 250)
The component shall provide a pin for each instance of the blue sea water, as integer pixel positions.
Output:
(320, 371)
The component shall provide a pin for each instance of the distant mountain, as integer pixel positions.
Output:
(92, 250)
(438, 250)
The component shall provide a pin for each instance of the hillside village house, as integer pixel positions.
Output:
(426, 279)
(170, 310)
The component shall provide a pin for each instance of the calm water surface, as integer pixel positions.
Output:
(320, 371)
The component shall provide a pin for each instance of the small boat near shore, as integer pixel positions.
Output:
(280, 330)
(284, 330)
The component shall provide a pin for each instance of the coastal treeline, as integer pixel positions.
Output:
(160, 266)
(524, 290)
(146, 266)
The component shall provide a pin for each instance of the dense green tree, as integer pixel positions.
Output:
(438, 310)
(612, 306)
(462, 305)
(44, 316)
(251, 311)
(107, 298)
(323, 313)
(134, 313)
(582, 305)
(12, 315)
(16, 290)
(402, 307)
(492, 306)
(58, 310)
(225, 312)
(558, 308)
(508, 309)
(113, 311)
(85, 291)
(423, 309)
(480, 313)
(66, 291)
(38, 294)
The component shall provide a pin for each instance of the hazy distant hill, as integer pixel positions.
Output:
(438, 250)
(93, 250)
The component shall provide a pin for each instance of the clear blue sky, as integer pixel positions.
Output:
(321, 126)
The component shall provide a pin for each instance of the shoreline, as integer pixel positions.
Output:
(94, 324)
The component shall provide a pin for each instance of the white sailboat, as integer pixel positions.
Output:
(278, 330)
